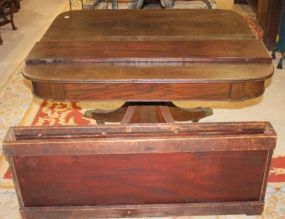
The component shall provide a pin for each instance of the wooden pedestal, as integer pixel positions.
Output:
(140, 170)
(153, 112)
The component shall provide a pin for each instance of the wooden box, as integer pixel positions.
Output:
(140, 170)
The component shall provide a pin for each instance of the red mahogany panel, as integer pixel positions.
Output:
(141, 178)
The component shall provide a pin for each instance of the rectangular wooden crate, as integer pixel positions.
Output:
(141, 169)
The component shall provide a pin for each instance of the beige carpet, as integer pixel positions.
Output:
(32, 21)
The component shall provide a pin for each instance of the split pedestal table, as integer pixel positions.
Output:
(149, 59)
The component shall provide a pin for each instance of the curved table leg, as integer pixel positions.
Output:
(149, 113)
(193, 114)
(116, 116)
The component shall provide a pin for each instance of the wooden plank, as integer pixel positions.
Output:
(152, 178)
(250, 208)
(166, 73)
(149, 52)
(15, 181)
(116, 165)
(266, 174)
(159, 92)
(237, 91)
(46, 142)
(146, 91)
(225, 127)
(143, 25)
(57, 90)
(143, 146)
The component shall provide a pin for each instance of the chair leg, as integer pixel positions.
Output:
(1, 40)
(12, 16)
(94, 5)
(280, 66)
(274, 52)
(208, 3)
(18, 5)
(167, 3)
(114, 4)
(136, 4)
(4, 16)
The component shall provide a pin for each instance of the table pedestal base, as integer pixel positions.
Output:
(149, 113)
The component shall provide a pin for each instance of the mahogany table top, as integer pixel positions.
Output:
(148, 55)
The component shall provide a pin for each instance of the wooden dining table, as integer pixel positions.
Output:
(149, 59)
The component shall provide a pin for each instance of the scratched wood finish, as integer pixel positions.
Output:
(140, 178)
(143, 25)
(249, 208)
(149, 51)
(165, 72)
(139, 138)
(163, 165)
(151, 57)
(21, 133)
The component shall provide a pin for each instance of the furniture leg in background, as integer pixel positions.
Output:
(268, 14)
(281, 41)
(91, 4)
(168, 3)
(4, 4)
(1, 41)
(17, 5)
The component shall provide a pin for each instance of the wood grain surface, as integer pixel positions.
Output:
(139, 138)
(148, 73)
(140, 169)
(140, 178)
(149, 51)
(142, 25)
(148, 55)
(148, 92)
(154, 210)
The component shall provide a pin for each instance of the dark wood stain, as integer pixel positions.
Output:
(149, 51)
(141, 169)
(142, 25)
(141, 178)
(149, 91)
